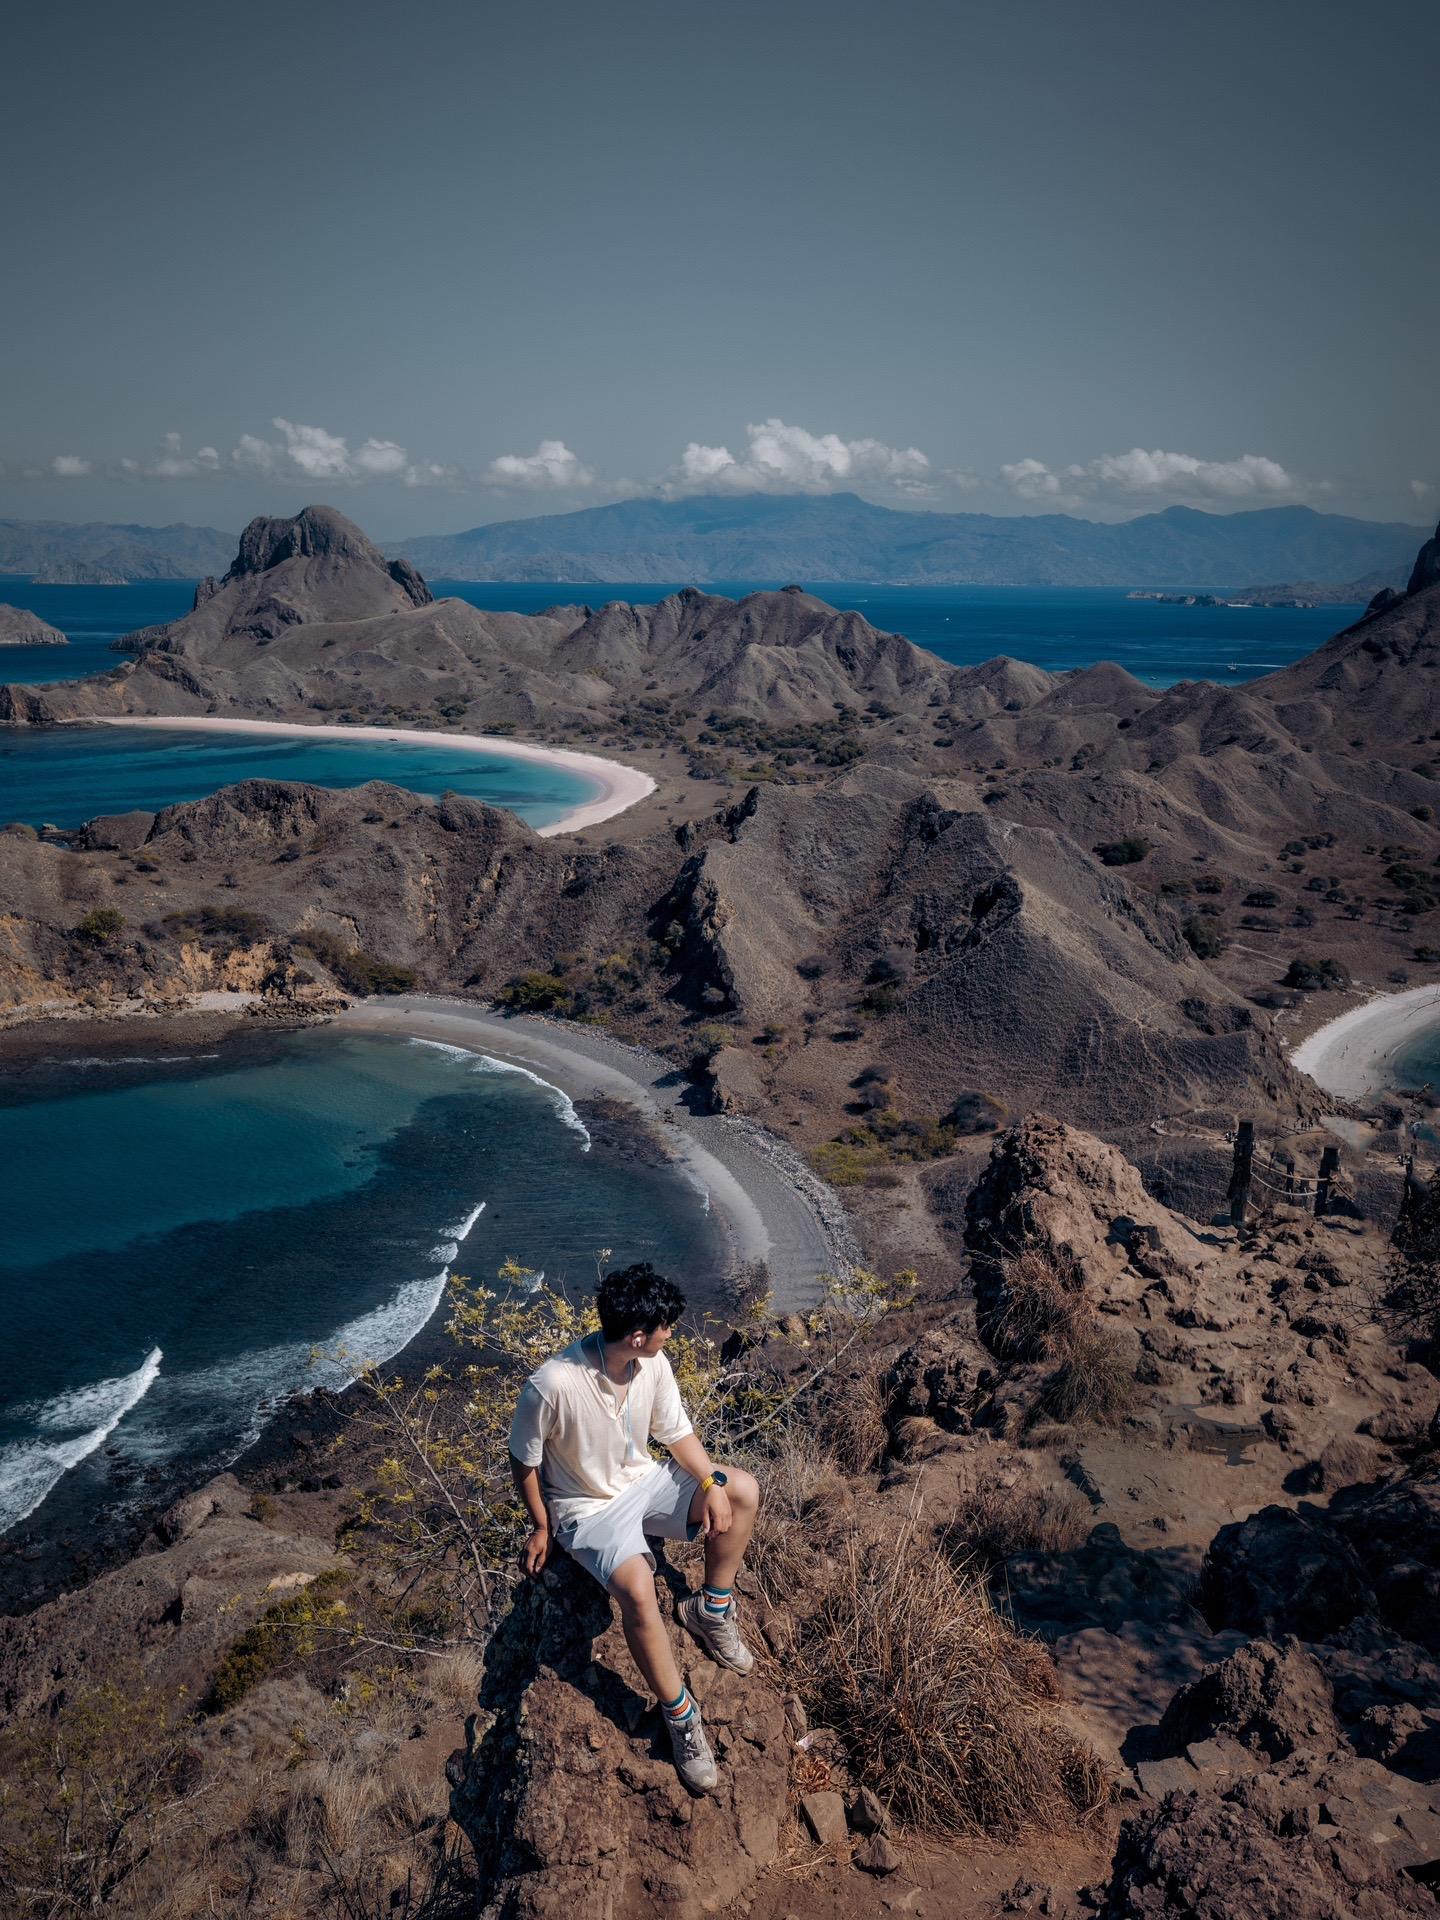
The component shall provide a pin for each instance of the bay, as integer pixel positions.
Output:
(189, 1241)
(62, 776)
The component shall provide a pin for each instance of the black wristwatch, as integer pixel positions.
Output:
(715, 1478)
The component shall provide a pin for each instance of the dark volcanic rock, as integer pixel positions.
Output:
(1274, 1699)
(567, 1790)
(1395, 1531)
(1196, 1857)
(1426, 571)
(1282, 1572)
(944, 1377)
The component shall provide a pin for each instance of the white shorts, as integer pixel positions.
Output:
(657, 1504)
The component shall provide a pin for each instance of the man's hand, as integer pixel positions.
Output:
(715, 1514)
(536, 1550)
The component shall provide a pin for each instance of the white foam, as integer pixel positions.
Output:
(487, 1063)
(30, 1468)
(461, 1231)
(268, 1376)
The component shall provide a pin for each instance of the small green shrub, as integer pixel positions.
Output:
(101, 925)
(1205, 937)
(534, 993)
(1123, 853)
(286, 1632)
(358, 972)
(1314, 976)
(975, 1113)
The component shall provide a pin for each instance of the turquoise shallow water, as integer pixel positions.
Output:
(1055, 627)
(68, 774)
(188, 1241)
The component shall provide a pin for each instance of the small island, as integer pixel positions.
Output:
(21, 628)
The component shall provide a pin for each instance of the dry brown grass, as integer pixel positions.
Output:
(992, 1523)
(802, 1514)
(944, 1709)
(851, 1421)
(1095, 1380)
(454, 1677)
(1045, 1316)
(1041, 1296)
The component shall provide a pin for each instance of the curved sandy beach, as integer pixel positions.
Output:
(1354, 1055)
(772, 1206)
(619, 786)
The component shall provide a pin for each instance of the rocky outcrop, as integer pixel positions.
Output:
(318, 533)
(1426, 571)
(1054, 1191)
(945, 1377)
(1245, 1856)
(1394, 1530)
(21, 628)
(1275, 1700)
(1283, 1572)
(567, 1790)
(169, 1615)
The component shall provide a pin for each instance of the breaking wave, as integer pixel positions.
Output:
(82, 1420)
(487, 1063)
(256, 1384)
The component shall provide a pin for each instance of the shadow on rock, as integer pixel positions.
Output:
(566, 1788)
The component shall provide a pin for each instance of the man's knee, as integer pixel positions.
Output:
(744, 1490)
(634, 1590)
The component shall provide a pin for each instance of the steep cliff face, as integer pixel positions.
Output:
(21, 628)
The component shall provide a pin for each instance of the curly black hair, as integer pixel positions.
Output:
(636, 1297)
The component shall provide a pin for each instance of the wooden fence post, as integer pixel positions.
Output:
(1241, 1172)
(1329, 1167)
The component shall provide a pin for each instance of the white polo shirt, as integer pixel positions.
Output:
(590, 1438)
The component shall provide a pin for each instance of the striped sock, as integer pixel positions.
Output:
(680, 1708)
(717, 1601)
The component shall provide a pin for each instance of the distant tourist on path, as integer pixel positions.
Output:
(579, 1453)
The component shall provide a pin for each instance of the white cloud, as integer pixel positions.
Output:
(1421, 489)
(1140, 476)
(69, 466)
(1031, 479)
(551, 465)
(315, 454)
(786, 459)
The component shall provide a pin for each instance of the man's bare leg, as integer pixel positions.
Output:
(725, 1551)
(710, 1615)
(633, 1585)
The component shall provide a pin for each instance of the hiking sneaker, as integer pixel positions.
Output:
(694, 1761)
(717, 1633)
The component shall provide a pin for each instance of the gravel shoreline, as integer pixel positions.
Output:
(773, 1208)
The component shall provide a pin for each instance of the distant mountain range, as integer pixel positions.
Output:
(836, 537)
(841, 537)
(95, 552)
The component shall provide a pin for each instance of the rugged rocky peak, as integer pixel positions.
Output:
(1050, 1189)
(313, 531)
(566, 1790)
(318, 533)
(1426, 571)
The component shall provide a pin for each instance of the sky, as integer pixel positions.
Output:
(453, 262)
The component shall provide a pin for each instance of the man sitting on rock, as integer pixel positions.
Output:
(579, 1450)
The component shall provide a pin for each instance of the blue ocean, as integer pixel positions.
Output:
(62, 776)
(190, 1240)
